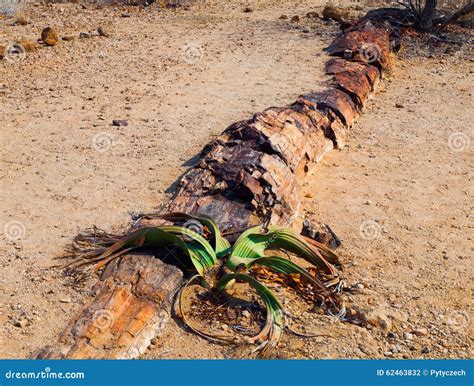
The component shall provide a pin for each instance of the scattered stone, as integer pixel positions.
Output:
(248, 10)
(407, 336)
(399, 106)
(295, 19)
(246, 314)
(2, 51)
(312, 15)
(84, 35)
(359, 286)
(309, 195)
(68, 38)
(392, 335)
(284, 17)
(125, 15)
(396, 348)
(66, 299)
(321, 233)
(22, 323)
(119, 122)
(306, 30)
(49, 36)
(378, 318)
(420, 332)
(338, 14)
(388, 353)
(425, 350)
(102, 32)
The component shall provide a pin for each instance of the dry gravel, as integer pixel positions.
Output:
(399, 196)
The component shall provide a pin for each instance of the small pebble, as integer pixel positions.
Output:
(120, 122)
(392, 335)
(21, 323)
(84, 35)
(102, 32)
(295, 19)
(407, 336)
(420, 332)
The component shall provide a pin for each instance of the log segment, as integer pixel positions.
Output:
(250, 174)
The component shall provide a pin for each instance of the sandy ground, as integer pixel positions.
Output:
(399, 195)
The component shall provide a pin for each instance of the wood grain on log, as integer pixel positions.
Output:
(126, 313)
(250, 174)
(366, 44)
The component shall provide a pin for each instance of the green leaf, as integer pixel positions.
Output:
(220, 243)
(194, 240)
(197, 248)
(273, 328)
(253, 243)
(287, 267)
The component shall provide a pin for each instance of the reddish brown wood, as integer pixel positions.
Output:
(127, 311)
(364, 43)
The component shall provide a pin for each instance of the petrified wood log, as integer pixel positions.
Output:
(250, 174)
(366, 45)
(124, 315)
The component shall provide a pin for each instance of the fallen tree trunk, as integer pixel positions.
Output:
(251, 174)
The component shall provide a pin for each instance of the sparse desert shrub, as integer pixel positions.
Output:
(431, 12)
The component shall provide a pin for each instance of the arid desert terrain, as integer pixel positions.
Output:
(399, 196)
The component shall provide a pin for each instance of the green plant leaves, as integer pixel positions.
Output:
(196, 247)
(274, 324)
(285, 266)
(221, 245)
(253, 243)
